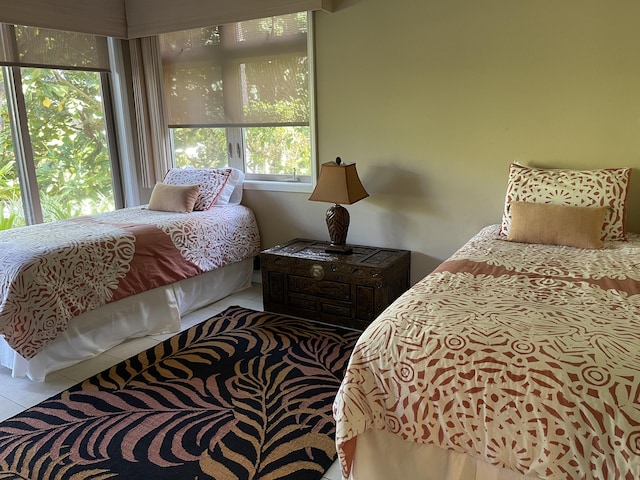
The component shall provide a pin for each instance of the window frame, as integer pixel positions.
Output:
(22, 143)
(19, 114)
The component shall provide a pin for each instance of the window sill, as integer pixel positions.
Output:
(300, 187)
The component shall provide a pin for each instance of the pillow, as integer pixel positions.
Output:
(557, 224)
(578, 188)
(173, 198)
(231, 194)
(212, 181)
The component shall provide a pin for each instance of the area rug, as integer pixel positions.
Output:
(243, 395)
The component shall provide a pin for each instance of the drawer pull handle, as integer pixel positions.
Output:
(316, 271)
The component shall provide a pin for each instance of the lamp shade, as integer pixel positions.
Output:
(338, 183)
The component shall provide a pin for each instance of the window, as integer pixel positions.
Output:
(239, 95)
(55, 154)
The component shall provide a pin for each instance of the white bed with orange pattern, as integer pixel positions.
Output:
(512, 360)
(75, 288)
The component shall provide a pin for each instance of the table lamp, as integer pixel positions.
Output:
(338, 184)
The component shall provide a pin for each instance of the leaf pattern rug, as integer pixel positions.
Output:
(243, 395)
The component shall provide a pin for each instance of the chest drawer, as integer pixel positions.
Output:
(321, 288)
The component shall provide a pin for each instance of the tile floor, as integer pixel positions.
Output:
(16, 394)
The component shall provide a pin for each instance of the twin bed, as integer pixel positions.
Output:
(75, 288)
(513, 359)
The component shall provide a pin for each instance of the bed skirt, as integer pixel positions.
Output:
(156, 311)
(409, 460)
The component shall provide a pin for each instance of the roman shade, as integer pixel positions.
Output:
(141, 18)
(152, 17)
(104, 17)
(45, 48)
(251, 73)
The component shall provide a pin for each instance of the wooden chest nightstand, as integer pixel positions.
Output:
(300, 279)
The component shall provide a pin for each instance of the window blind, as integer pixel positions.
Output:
(143, 18)
(45, 48)
(103, 17)
(153, 17)
(242, 74)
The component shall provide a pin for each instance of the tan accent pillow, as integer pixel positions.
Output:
(557, 224)
(173, 198)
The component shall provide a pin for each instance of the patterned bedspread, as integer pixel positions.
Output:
(523, 356)
(53, 272)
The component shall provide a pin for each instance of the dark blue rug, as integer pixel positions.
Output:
(243, 395)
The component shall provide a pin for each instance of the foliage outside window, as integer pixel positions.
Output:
(239, 95)
(52, 128)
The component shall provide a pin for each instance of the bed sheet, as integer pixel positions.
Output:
(525, 357)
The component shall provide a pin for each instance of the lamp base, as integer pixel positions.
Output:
(341, 249)
(338, 224)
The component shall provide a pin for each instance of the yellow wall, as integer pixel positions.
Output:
(434, 98)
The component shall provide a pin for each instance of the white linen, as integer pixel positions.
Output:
(153, 312)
